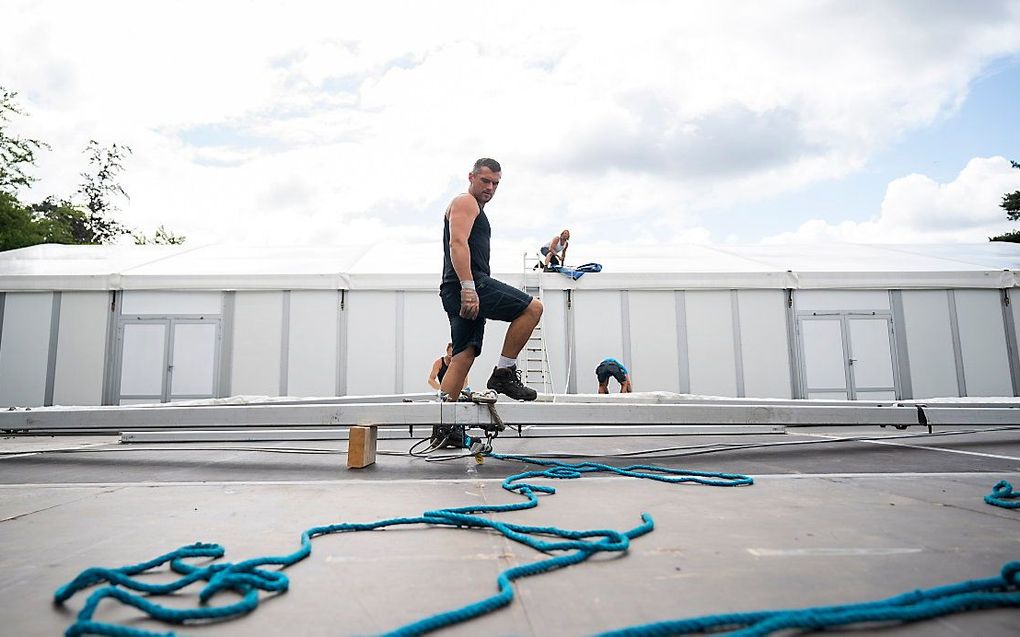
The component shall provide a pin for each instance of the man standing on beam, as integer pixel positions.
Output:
(470, 295)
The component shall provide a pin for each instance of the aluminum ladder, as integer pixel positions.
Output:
(535, 372)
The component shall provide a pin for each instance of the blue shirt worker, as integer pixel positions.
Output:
(470, 295)
(612, 367)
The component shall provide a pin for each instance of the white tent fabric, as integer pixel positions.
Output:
(389, 265)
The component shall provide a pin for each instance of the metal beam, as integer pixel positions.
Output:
(123, 418)
(401, 433)
(597, 413)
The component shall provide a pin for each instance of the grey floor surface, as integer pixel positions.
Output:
(825, 523)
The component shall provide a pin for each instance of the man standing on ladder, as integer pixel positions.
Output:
(470, 295)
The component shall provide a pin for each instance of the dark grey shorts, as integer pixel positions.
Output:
(496, 300)
(605, 370)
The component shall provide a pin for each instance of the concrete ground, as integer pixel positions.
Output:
(825, 523)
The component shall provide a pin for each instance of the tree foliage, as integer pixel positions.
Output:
(1011, 201)
(87, 219)
(100, 190)
(161, 237)
(1011, 204)
(47, 222)
(16, 153)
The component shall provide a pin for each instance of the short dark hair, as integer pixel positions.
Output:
(489, 163)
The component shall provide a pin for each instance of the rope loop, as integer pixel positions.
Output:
(1002, 495)
(563, 547)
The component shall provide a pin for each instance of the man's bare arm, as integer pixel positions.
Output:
(463, 212)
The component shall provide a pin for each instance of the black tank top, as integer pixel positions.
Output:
(442, 369)
(478, 243)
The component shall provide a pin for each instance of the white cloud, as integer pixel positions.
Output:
(258, 122)
(917, 209)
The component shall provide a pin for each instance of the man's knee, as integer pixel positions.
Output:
(536, 308)
(466, 356)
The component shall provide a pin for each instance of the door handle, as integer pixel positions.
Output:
(852, 360)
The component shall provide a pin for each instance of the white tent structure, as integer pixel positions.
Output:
(118, 325)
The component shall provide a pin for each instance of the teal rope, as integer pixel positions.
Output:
(248, 577)
(995, 592)
(1002, 495)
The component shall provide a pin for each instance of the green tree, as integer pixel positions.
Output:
(60, 220)
(18, 227)
(101, 190)
(161, 237)
(16, 153)
(1011, 204)
(46, 222)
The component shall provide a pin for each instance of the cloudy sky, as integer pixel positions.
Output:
(637, 122)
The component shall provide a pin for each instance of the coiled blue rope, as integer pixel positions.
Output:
(249, 577)
(994, 592)
(1002, 495)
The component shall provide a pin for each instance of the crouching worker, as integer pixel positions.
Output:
(439, 368)
(612, 367)
(555, 252)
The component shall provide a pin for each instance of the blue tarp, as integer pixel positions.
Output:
(578, 272)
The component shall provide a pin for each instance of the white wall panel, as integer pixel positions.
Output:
(840, 300)
(1014, 307)
(599, 334)
(258, 322)
(764, 344)
(654, 365)
(983, 343)
(371, 350)
(929, 343)
(24, 352)
(166, 303)
(426, 333)
(710, 343)
(81, 348)
(554, 328)
(312, 343)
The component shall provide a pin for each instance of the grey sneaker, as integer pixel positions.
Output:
(507, 381)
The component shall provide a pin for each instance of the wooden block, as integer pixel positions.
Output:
(361, 446)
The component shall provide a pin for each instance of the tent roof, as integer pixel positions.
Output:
(388, 265)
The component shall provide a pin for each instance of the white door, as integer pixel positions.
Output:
(870, 362)
(192, 364)
(847, 356)
(143, 361)
(167, 359)
(824, 357)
